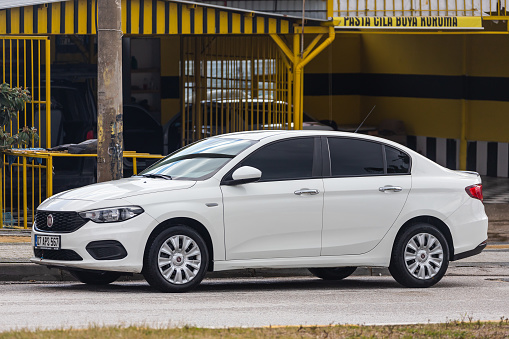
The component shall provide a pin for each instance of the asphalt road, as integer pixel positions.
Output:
(253, 302)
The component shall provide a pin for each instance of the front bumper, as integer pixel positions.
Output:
(132, 234)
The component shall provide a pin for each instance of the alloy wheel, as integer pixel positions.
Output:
(179, 259)
(424, 256)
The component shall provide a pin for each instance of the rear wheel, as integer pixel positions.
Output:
(95, 277)
(420, 256)
(332, 273)
(177, 260)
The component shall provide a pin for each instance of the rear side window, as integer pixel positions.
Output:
(284, 160)
(397, 161)
(353, 157)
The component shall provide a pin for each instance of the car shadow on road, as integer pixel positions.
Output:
(257, 285)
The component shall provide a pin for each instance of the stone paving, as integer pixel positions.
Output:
(495, 190)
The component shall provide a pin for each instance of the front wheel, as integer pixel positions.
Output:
(332, 273)
(95, 277)
(420, 256)
(177, 260)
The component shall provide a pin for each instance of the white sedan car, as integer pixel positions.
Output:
(327, 201)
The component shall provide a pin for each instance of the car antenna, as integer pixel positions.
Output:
(365, 119)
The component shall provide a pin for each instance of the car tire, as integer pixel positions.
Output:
(332, 273)
(420, 256)
(177, 260)
(95, 277)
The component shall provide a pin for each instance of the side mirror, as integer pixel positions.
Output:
(244, 175)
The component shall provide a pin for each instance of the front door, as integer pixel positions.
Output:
(281, 215)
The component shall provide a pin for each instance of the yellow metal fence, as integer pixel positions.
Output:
(31, 188)
(233, 84)
(25, 62)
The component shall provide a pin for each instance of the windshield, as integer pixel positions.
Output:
(198, 161)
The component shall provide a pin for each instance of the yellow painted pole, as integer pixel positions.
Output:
(330, 9)
(135, 166)
(463, 135)
(299, 75)
(25, 202)
(1, 197)
(49, 176)
(296, 83)
(48, 93)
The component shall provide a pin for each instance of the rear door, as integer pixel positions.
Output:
(366, 186)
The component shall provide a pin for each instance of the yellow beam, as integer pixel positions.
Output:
(323, 45)
(312, 29)
(333, 22)
(282, 46)
(496, 17)
(312, 45)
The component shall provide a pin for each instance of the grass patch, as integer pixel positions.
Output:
(451, 329)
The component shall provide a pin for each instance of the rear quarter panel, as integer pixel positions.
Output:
(439, 192)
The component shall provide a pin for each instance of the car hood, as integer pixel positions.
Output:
(123, 188)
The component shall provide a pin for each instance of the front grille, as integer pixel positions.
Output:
(63, 222)
(64, 255)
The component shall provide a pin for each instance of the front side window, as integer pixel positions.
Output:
(284, 160)
(354, 157)
(198, 161)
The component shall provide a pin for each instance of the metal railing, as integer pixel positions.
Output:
(31, 189)
(25, 62)
(484, 8)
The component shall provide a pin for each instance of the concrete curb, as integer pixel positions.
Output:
(33, 272)
(24, 272)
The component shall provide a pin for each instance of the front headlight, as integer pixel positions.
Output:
(114, 214)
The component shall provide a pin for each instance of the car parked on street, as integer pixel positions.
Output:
(324, 200)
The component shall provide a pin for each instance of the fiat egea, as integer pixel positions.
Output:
(326, 201)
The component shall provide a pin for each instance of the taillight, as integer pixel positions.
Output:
(475, 191)
(90, 135)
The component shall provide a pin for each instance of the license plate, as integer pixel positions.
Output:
(47, 242)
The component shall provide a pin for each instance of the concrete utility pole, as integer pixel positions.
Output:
(110, 140)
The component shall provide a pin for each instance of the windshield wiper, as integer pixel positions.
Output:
(157, 175)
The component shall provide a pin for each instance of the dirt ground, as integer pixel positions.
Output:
(14, 239)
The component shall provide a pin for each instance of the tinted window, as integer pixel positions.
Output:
(289, 159)
(397, 161)
(355, 157)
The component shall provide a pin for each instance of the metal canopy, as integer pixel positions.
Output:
(141, 17)
(22, 3)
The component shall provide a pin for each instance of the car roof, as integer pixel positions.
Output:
(262, 134)
(272, 135)
(252, 135)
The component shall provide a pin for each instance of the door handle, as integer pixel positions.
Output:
(306, 191)
(390, 188)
